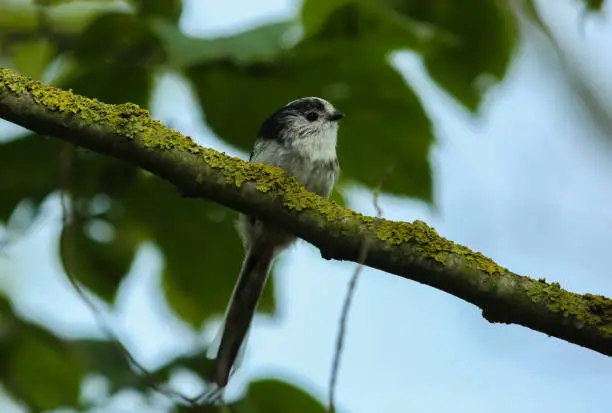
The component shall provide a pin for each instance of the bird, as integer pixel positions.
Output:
(300, 138)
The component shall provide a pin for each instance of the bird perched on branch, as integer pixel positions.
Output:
(300, 138)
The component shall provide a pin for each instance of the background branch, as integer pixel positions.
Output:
(410, 250)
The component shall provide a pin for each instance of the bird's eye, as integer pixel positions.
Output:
(312, 116)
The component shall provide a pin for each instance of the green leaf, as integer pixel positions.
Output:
(594, 5)
(17, 180)
(35, 366)
(467, 46)
(315, 13)
(100, 265)
(73, 16)
(85, 3)
(373, 24)
(379, 105)
(31, 57)
(259, 43)
(118, 38)
(168, 9)
(274, 396)
(7, 329)
(98, 245)
(485, 35)
(92, 174)
(63, 16)
(116, 59)
(105, 358)
(113, 84)
(201, 248)
(267, 396)
(44, 370)
(18, 16)
(109, 360)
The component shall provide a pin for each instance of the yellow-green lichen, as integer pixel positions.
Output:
(429, 243)
(131, 121)
(588, 309)
(128, 120)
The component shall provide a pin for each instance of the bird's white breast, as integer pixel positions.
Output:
(320, 146)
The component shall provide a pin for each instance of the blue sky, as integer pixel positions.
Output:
(527, 183)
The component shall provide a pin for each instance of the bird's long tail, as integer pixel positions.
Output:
(229, 345)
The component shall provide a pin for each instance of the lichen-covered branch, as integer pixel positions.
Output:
(411, 250)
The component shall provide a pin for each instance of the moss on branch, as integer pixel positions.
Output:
(411, 250)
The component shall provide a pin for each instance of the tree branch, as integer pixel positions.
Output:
(410, 250)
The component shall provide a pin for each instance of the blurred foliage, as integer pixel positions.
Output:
(594, 5)
(484, 36)
(35, 366)
(116, 50)
(17, 182)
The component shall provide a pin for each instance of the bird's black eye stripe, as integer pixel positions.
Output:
(312, 116)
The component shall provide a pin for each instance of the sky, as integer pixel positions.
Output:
(527, 183)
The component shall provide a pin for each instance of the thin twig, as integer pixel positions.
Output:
(342, 330)
(66, 162)
(363, 254)
(211, 396)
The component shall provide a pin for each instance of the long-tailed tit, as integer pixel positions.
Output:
(301, 139)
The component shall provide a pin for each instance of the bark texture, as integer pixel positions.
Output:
(411, 250)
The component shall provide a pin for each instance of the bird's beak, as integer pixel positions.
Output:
(336, 115)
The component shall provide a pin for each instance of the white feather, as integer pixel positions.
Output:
(319, 146)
